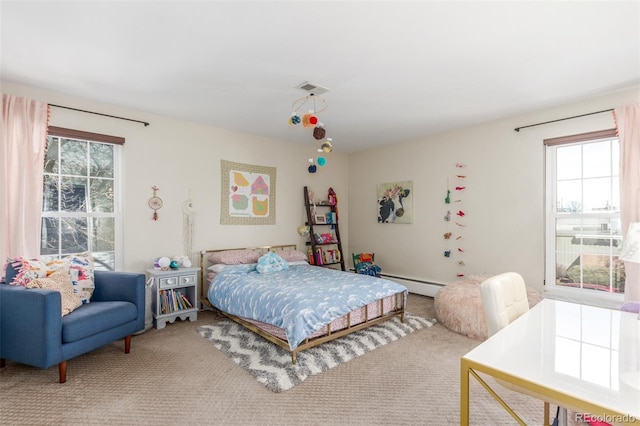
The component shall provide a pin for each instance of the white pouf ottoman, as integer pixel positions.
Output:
(459, 306)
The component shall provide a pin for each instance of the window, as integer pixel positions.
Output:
(80, 210)
(583, 214)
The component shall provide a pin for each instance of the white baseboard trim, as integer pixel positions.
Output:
(424, 288)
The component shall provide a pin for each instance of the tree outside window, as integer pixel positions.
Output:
(79, 211)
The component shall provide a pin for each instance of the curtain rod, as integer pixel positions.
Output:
(99, 113)
(517, 129)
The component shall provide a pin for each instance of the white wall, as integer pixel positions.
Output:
(503, 202)
(180, 156)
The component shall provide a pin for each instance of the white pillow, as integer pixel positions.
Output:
(298, 262)
(217, 267)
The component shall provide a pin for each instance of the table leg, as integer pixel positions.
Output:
(546, 414)
(464, 393)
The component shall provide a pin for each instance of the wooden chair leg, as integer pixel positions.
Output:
(62, 367)
(62, 371)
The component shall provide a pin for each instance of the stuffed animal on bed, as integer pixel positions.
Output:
(271, 262)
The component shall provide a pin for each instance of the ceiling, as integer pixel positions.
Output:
(396, 70)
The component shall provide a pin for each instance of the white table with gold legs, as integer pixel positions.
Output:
(583, 358)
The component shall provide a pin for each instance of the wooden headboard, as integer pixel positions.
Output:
(205, 263)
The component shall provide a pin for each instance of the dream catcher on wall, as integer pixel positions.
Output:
(188, 216)
(155, 202)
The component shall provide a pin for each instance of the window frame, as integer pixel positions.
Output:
(580, 295)
(118, 185)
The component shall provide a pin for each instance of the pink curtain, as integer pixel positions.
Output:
(628, 125)
(22, 149)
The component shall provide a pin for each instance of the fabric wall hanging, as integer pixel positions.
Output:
(248, 194)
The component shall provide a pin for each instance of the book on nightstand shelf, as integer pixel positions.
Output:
(173, 301)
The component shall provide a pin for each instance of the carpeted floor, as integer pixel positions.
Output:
(174, 376)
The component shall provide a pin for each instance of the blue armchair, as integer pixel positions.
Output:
(33, 332)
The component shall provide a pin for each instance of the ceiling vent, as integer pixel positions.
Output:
(312, 88)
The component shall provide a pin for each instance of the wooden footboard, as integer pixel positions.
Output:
(397, 310)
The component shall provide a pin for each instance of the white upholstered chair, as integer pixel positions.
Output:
(504, 299)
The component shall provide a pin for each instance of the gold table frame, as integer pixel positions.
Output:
(470, 367)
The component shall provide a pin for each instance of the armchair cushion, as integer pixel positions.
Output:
(94, 318)
(23, 271)
(79, 267)
(59, 281)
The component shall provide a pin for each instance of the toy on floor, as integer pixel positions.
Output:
(365, 265)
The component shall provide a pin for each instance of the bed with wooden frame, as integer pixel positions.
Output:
(365, 316)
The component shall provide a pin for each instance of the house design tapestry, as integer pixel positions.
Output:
(395, 202)
(248, 194)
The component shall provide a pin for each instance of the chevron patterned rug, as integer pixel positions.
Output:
(271, 365)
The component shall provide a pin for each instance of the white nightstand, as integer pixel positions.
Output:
(175, 295)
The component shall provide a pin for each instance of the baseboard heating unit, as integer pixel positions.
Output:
(414, 285)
